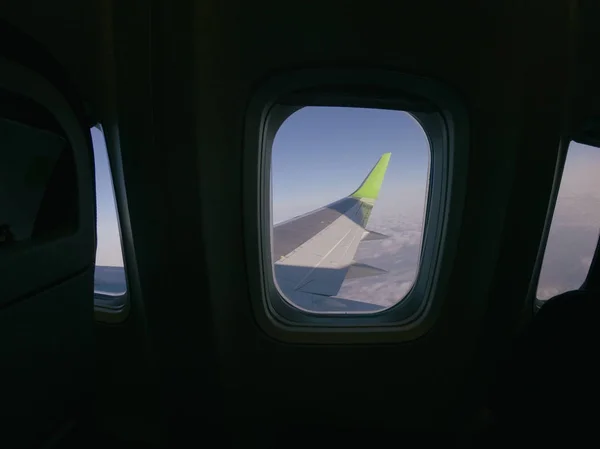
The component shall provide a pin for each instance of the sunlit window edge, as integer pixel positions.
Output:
(113, 311)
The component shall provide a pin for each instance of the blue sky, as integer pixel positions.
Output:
(108, 251)
(321, 154)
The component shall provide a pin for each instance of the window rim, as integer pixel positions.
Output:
(301, 317)
(445, 124)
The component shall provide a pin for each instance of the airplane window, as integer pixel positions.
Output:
(349, 187)
(109, 276)
(575, 224)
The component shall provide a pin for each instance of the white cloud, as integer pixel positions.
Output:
(547, 293)
(398, 254)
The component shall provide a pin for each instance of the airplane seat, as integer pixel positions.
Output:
(548, 388)
(47, 248)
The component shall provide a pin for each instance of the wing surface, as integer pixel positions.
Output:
(314, 253)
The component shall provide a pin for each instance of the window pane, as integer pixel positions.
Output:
(109, 277)
(333, 180)
(575, 224)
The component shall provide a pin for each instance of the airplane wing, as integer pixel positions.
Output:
(314, 253)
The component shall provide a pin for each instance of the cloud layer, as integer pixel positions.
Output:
(398, 254)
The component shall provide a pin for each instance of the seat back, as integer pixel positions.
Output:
(47, 248)
(548, 389)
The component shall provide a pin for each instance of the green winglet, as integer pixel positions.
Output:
(372, 184)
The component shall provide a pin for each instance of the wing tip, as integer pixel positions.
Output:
(370, 187)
